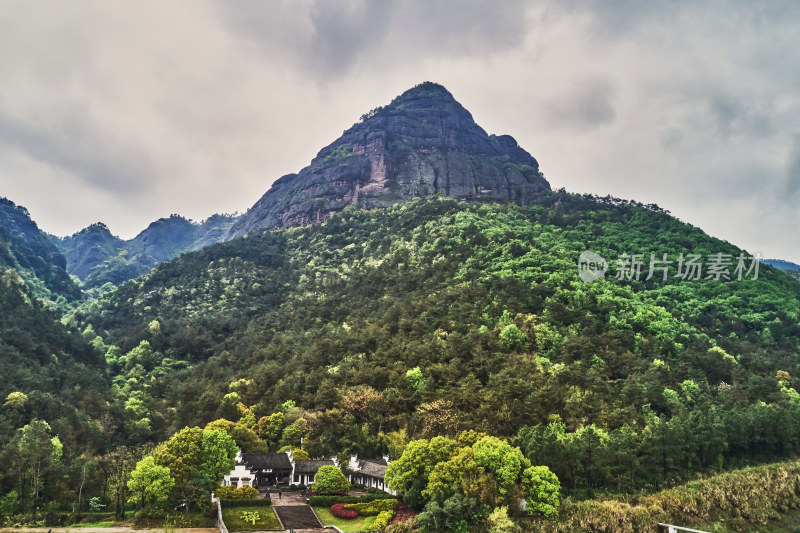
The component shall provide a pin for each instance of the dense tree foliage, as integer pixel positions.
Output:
(459, 481)
(27, 249)
(50, 377)
(150, 483)
(378, 330)
(438, 316)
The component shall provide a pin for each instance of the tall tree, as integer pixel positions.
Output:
(150, 483)
(37, 449)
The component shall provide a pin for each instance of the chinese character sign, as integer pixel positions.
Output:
(663, 267)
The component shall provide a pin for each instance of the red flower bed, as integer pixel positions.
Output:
(339, 511)
(403, 513)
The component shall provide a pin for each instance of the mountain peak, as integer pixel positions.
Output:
(426, 89)
(422, 143)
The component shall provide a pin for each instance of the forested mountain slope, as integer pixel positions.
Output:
(486, 301)
(46, 371)
(97, 257)
(25, 248)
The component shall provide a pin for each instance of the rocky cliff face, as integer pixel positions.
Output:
(423, 143)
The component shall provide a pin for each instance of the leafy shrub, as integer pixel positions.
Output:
(382, 520)
(300, 454)
(339, 511)
(330, 480)
(327, 501)
(375, 496)
(9, 503)
(456, 513)
(232, 493)
(96, 504)
(499, 521)
(372, 508)
(341, 152)
(266, 502)
(146, 516)
(399, 527)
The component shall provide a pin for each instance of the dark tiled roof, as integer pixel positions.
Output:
(372, 468)
(309, 467)
(265, 461)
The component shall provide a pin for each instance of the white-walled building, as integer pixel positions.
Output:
(271, 469)
(260, 470)
(304, 472)
(370, 473)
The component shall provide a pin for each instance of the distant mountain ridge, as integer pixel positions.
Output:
(790, 269)
(97, 257)
(423, 143)
(780, 264)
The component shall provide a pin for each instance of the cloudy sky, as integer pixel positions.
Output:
(124, 112)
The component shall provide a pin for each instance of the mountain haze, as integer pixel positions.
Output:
(97, 257)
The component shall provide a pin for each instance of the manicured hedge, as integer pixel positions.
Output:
(375, 496)
(327, 501)
(266, 502)
(232, 493)
(381, 521)
(373, 508)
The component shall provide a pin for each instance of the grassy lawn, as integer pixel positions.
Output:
(351, 525)
(177, 519)
(94, 524)
(234, 522)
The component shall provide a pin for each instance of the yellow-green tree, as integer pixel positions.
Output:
(150, 483)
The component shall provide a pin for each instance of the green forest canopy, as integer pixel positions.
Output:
(439, 316)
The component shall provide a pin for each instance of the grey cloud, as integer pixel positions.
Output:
(703, 114)
(461, 28)
(793, 170)
(327, 40)
(733, 116)
(75, 144)
(133, 111)
(648, 21)
(589, 105)
(344, 30)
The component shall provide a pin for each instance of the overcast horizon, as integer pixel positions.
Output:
(126, 112)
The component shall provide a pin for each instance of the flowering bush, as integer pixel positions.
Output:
(339, 511)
